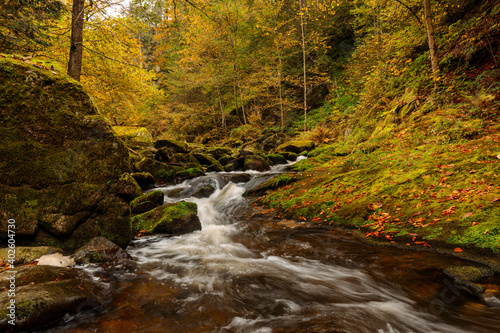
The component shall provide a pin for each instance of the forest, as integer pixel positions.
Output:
(213, 144)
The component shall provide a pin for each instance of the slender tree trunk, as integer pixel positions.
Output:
(235, 95)
(430, 39)
(76, 48)
(303, 35)
(280, 91)
(223, 116)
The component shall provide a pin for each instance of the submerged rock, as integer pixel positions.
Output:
(173, 219)
(45, 294)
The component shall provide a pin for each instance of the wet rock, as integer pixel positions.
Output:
(100, 251)
(45, 294)
(27, 254)
(185, 160)
(237, 164)
(175, 193)
(205, 159)
(225, 160)
(147, 202)
(239, 178)
(126, 187)
(255, 162)
(465, 278)
(163, 173)
(289, 156)
(173, 219)
(216, 167)
(204, 192)
(56, 259)
(188, 174)
(173, 145)
(144, 179)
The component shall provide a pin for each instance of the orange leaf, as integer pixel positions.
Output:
(475, 223)
(458, 249)
(495, 200)
(466, 215)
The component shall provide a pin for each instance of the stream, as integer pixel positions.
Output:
(244, 272)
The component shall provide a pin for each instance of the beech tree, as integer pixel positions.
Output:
(76, 46)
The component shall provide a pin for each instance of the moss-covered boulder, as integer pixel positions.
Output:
(163, 173)
(276, 158)
(296, 147)
(174, 145)
(466, 278)
(147, 202)
(255, 162)
(45, 294)
(135, 137)
(101, 251)
(204, 192)
(189, 174)
(173, 219)
(59, 158)
(205, 159)
(144, 179)
(185, 160)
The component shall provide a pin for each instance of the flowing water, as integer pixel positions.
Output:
(245, 273)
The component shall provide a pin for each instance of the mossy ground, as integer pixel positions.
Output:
(435, 192)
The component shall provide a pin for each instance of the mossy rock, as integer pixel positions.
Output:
(237, 164)
(59, 155)
(135, 137)
(289, 156)
(219, 152)
(163, 173)
(147, 202)
(466, 276)
(100, 251)
(255, 162)
(144, 179)
(175, 193)
(40, 301)
(173, 219)
(126, 187)
(205, 159)
(164, 154)
(185, 160)
(26, 254)
(276, 159)
(225, 159)
(189, 174)
(296, 147)
(174, 145)
(216, 167)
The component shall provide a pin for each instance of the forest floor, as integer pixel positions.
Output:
(426, 195)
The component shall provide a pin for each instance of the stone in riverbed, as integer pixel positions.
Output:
(144, 179)
(173, 145)
(101, 251)
(256, 162)
(45, 294)
(147, 202)
(173, 219)
(27, 254)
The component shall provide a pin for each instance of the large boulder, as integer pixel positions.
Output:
(46, 294)
(256, 162)
(173, 219)
(59, 160)
(144, 179)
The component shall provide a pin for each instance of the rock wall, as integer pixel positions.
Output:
(59, 161)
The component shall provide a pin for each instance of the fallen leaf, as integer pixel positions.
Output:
(495, 200)
(473, 171)
(448, 174)
(374, 206)
(475, 223)
(466, 215)
(458, 249)
(485, 232)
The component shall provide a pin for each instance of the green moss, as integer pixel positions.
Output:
(31, 308)
(165, 214)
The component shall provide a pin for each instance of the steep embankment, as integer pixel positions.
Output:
(61, 162)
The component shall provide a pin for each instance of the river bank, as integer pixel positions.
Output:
(431, 194)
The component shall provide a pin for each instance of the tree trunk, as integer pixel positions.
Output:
(430, 39)
(303, 35)
(76, 49)
(280, 92)
(221, 108)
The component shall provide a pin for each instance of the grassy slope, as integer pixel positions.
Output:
(418, 166)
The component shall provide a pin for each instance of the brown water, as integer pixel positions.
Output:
(252, 274)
